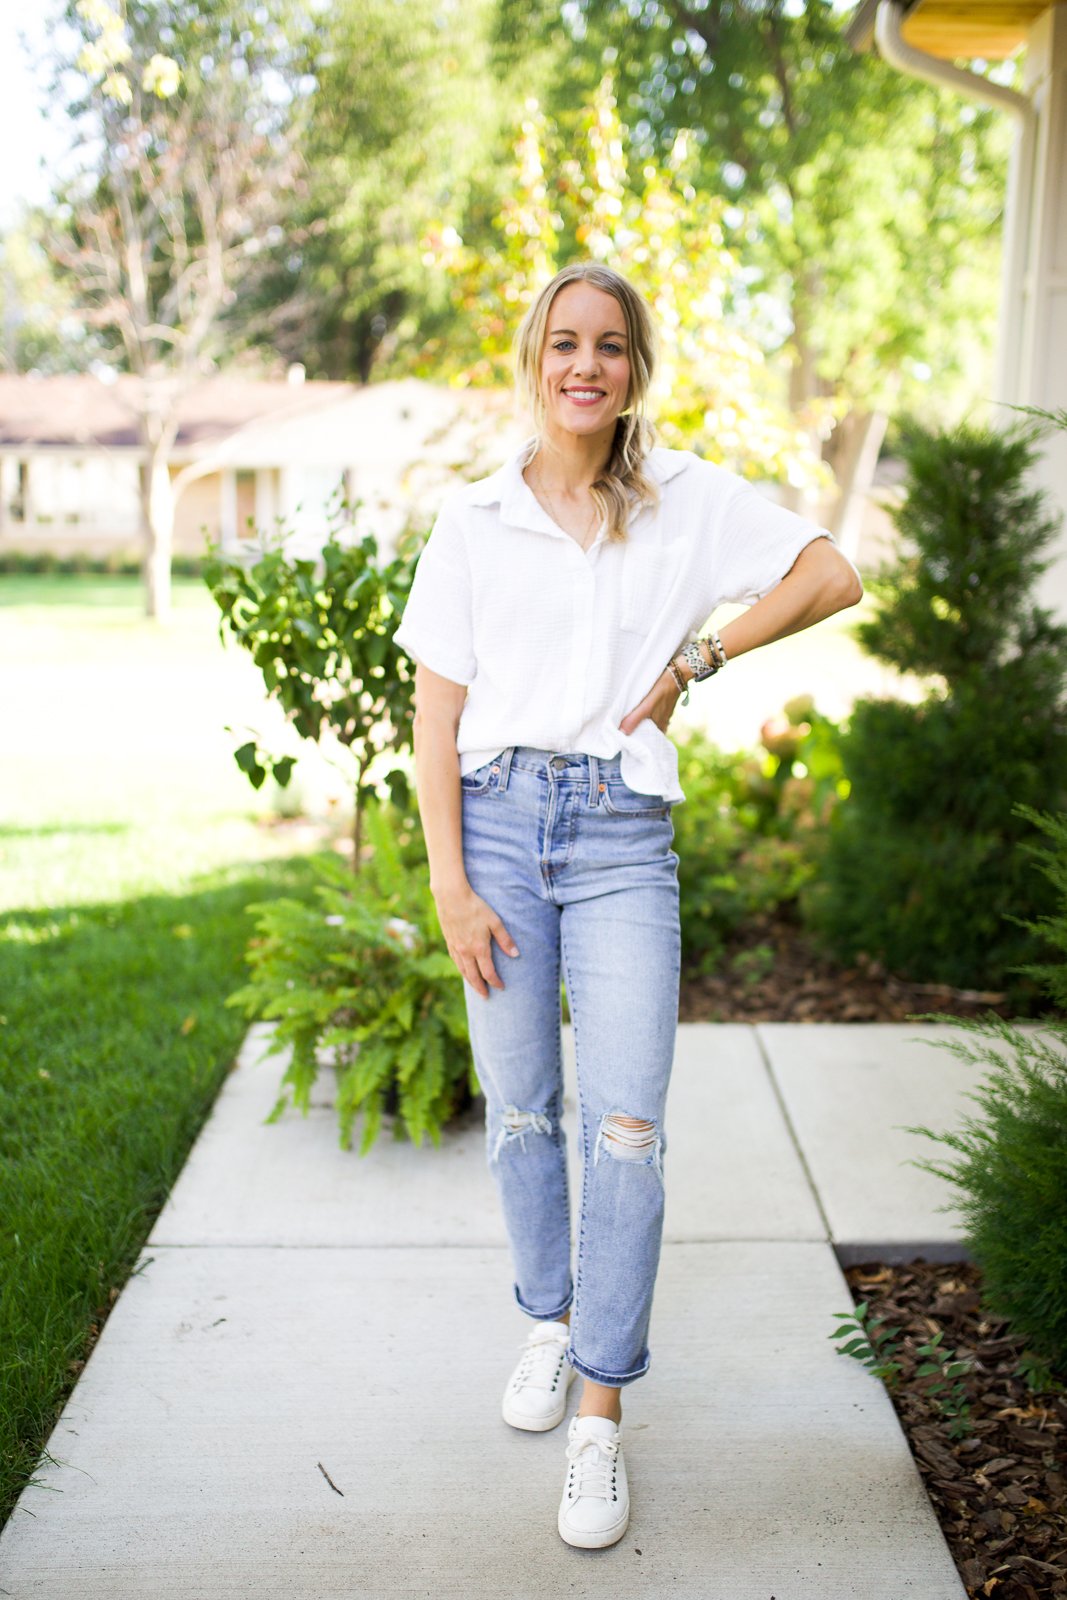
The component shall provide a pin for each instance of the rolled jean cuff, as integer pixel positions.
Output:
(611, 1380)
(544, 1316)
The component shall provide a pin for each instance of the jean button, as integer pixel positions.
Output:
(558, 762)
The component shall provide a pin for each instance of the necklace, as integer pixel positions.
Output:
(583, 543)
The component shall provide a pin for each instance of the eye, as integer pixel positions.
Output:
(608, 344)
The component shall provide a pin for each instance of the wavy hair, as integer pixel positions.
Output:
(624, 481)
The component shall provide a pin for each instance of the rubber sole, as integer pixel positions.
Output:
(589, 1540)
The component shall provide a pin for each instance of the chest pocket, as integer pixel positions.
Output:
(649, 575)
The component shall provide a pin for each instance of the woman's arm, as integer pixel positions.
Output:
(819, 583)
(438, 706)
(468, 923)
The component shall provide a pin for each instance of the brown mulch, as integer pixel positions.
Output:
(999, 1489)
(771, 972)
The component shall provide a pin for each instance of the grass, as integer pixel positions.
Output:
(130, 847)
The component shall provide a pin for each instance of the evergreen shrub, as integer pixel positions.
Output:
(922, 867)
(1012, 1166)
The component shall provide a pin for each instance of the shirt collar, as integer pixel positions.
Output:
(519, 505)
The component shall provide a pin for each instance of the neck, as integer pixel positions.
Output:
(570, 462)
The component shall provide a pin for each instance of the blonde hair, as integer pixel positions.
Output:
(624, 481)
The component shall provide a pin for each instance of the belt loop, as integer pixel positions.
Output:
(594, 780)
(505, 767)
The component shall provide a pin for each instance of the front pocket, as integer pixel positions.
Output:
(478, 781)
(622, 801)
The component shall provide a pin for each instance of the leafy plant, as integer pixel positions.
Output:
(320, 631)
(870, 1342)
(875, 1344)
(746, 832)
(360, 975)
(922, 867)
(949, 1370)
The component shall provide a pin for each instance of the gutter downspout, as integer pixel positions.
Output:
(917, 64)
(1018, 204)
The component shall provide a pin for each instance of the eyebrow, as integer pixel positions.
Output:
(612, 333)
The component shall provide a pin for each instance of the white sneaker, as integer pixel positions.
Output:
(536, 1395)
(595, 1508)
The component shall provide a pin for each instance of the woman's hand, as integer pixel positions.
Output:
(469, 926)
(659, 704)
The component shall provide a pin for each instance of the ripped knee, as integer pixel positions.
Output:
(627, 1138)
(515, 1124)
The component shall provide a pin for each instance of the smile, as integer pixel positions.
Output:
(584, 396)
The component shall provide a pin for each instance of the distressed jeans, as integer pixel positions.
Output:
(580, 869)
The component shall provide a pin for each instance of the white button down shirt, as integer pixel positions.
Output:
(555, 643)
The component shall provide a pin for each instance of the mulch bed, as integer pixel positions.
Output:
(771, 972)
(1000, 1489)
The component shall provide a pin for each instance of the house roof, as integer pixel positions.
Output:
(79, 411)
(989, 29)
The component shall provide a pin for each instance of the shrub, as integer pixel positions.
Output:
(361, 973)
(922, 867)
(320, 632)
(744, 833)
(113, 564)
(1012, 1167)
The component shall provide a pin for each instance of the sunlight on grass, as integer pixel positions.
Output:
(118, 771)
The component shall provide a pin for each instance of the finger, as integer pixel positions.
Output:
(474, 978)
(503, 937)
(488, 971)
(468, 970)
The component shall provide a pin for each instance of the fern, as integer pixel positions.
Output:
(360, 973)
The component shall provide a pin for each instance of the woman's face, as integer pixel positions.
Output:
(585, 361)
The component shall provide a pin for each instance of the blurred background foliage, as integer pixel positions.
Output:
(819, 234)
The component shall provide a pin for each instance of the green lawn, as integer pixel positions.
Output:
(130, 847)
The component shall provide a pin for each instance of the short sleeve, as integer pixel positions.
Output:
(757, 545)
(435, 628)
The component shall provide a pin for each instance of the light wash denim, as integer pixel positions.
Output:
(580, 869)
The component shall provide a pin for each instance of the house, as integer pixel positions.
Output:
(251, 458)
(259, 458)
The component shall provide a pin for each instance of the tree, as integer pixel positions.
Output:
(393, 133)
(864, 207)
(567, 193)
(186, 160)
(925, 863)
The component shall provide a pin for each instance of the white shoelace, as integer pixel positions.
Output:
(543, 1355)
(593, 1472)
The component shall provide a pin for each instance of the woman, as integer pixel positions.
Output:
(547, 617)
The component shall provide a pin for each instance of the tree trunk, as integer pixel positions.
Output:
(157, 524)
(803, 388)
(857, 439)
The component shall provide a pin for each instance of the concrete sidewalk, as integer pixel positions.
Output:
(302, 1319)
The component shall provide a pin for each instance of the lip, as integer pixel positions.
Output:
(576, 402)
